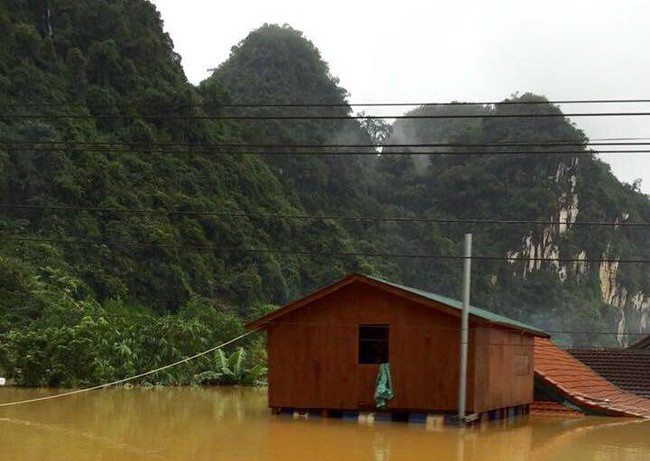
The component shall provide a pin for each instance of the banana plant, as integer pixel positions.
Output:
(231, 371)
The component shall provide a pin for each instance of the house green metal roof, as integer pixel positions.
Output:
(449, 302)
(476, 311)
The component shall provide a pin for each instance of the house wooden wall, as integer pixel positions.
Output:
(504, 368)
(313, 356)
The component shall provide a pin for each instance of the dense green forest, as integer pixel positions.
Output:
(134, 231)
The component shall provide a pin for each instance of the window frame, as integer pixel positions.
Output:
(372, 344)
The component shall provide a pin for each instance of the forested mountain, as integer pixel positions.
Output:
(278, 66)
(98, 120)
(126, 201)
(564, 184)
(111, 69)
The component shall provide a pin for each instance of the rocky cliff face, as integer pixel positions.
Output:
(541, 251)
(632, 307)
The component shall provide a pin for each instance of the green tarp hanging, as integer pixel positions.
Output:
(383, 386)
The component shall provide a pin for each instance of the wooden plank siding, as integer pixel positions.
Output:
(313, 355)
(505, 371)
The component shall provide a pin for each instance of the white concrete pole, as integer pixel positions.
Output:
(464, 328)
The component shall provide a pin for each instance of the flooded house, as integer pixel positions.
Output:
(627, 368)
(602, 383)
(326, 352)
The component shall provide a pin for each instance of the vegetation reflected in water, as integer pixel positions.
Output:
(233, 423)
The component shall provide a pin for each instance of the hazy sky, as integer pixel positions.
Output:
(466, 50)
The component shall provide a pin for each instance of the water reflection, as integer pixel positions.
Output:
(233, 423)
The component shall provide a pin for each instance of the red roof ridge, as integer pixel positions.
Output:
(628, 369)
(582, 386)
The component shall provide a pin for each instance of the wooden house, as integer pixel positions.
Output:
(324, 351)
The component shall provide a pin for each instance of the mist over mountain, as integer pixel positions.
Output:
(101, 121)
(554, 278)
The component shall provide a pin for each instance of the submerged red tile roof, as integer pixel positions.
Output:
(582, 386)
(628, 369)
(546, 408)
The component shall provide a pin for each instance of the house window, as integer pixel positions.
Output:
(373, 344)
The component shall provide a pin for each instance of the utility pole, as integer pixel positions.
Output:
(464, 328)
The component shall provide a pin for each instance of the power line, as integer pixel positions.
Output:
(314, 117)
(348, 104)
(440, 328)
(209, 152)
(141, 316)
(226, 148)
(223, 145)
(218, 153)
(311, 252)
(319, 216)
(535, 143)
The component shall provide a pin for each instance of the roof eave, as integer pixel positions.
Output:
(263, 321)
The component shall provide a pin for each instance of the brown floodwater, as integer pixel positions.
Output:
(234, 424)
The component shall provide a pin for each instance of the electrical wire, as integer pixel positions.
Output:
(512, 259)
(339, 154)
(313, 117)
(531, 143)
(195, 151)
(351, 104)
(427, 328)
(438, 328)
(120, 316)
(419, 219)
(227, 149)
